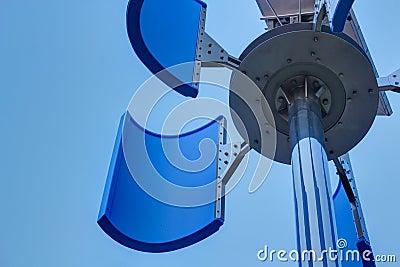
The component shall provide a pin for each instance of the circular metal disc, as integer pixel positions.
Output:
(338, 62)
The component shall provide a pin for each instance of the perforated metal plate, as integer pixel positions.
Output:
(164, 34)
(139, 218)
(341, 64)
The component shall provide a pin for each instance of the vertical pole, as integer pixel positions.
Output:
(313, 198)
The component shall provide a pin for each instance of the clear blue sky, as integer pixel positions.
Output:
(67, 72)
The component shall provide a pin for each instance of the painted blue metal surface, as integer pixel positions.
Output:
(339, 11)
(346, 230)
(344, 223)
(164, 34)
(137, 220)
(364, 246)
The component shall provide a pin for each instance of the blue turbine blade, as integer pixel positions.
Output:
(164, 34)
(340, 10)
(139, 221)
(346, 229)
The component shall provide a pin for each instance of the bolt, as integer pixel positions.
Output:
(312, 54)
(315, 39)
(289, 60)
(325, 101)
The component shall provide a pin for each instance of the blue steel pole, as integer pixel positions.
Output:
(316, 232)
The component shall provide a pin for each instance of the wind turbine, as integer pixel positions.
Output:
(304, 92)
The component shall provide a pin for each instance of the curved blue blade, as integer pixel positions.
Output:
(339, 11)
(346, 229)
(164, 34)
(137, 220)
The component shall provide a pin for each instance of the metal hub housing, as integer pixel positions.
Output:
(338, 74)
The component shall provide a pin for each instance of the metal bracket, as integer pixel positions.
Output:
(230, 156)
(390, 83)
(346, 175)
(209, 52)
(321, 10)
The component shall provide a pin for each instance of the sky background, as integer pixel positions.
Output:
(67, 73)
